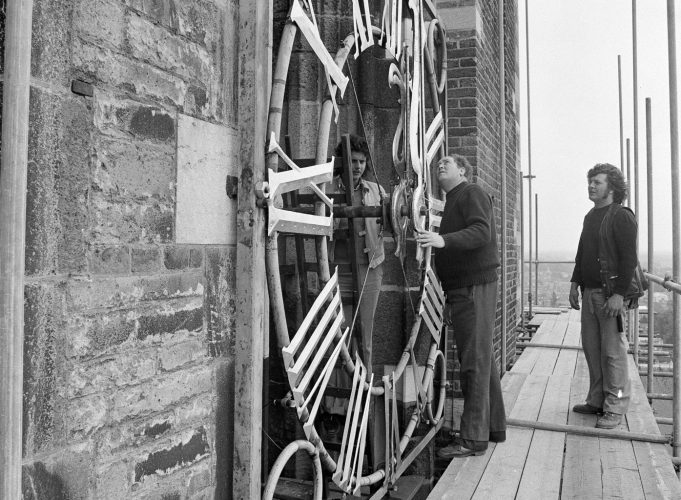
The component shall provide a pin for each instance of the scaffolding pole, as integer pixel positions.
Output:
(504, 196)
(649, 199)
(529, 175)
(536, 249)
(676, 246)
(619, 88)
(16, 87)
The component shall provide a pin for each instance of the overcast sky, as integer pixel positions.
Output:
(574, 46)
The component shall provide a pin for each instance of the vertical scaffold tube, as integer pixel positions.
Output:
(651, 290)
(504, 196)
(17, 78)
(676, 243)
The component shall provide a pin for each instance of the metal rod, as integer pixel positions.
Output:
(628, 203)
(619, 88)
(657, 374)
(502, 155)
(664, 420)
(551, 261)
(657, 395)
(529, 149)
(588, 431)
(521, 267)
(633, 315)
(635, 85)
(536, 248)
(552, 346)
(17, 79)
(649, 199)
(666, 283)
(676, 246)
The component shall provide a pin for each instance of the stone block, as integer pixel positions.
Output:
(109, 260)
(58, 175)
(154, 44)
(162, 12)
(224, 427)
(42, 323)
(192, 448)
(202, 21)
(110, 372)
(123, 292)
(50, 36)
(124, 118)
(125, 167)
(175, 356)
(98, 64)
(131, 434)
(206, 154)
(87, 414)
(102, 21)
(304, 77)
(160, 393)
(126, 220)
(74, 464)
(183, 315)
(146, 260)
(113, 480)
(37, 482)
(182, 257)
(220, 299)
(91, 335)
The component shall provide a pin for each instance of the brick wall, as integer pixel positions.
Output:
(474, 126)
(128, 353)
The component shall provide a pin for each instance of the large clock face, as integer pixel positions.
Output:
(412, 36)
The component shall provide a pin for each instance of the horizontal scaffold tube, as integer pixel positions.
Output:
(588, 431)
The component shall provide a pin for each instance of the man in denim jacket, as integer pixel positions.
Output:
(605, 344)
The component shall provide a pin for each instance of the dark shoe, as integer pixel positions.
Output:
(608, 420)
(587, 409)
(497, 436)
(458, 451)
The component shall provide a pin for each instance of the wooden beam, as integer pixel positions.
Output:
(12, 239)
(255, 50)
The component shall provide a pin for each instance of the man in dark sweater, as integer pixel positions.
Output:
(466, 261)
(605, 344)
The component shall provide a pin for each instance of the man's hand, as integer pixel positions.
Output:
(614, 305)
(429, 239)
(574, 296)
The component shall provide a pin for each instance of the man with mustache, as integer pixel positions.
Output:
(466, 260)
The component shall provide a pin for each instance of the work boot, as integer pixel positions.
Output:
(608, 420)
(587, 409)
(458, 451)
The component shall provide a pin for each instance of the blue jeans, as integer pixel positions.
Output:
(605, 349)
(472, 313)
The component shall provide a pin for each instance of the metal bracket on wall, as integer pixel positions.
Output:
(82, 88)
(232, 186)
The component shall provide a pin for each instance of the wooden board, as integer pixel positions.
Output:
(581, 465)
(543, 470)
(543, 386)
(652, 460)
(466, 473)
(506, 466)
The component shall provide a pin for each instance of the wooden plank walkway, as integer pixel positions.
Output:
(542, 387)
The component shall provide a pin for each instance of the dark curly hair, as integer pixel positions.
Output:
(357, 143)
(615, 180)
